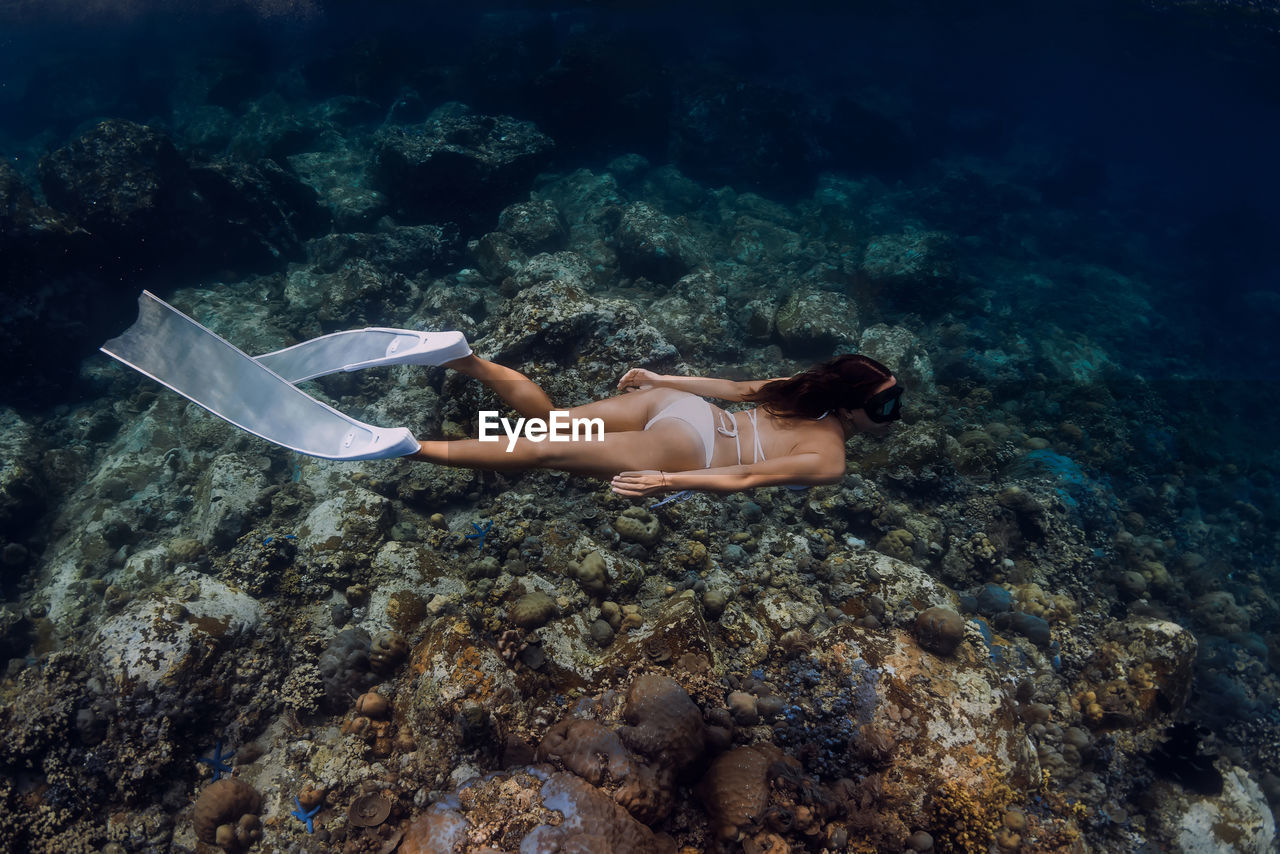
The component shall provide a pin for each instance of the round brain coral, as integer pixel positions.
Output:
(939, 630)
(638, 525)
(533, 610)
(226, 814)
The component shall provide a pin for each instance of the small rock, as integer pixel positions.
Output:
(743, 708)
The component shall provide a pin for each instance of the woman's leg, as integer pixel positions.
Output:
(620, 413)
(518, 391)
(670, 445)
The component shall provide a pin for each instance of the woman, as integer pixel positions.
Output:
(661, 435)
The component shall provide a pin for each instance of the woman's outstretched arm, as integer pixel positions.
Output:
(810, 469)
(641, 378)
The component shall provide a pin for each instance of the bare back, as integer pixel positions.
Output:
(779, 437)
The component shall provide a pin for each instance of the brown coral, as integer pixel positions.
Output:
(533, 610)
(735, 790)
(592, 823)
(588, 749)
(596, 754)
(369, 810)
(638, 525)
(226, 814)
(386, 652)
(665, 724)
(939, 630)
(373, 705)
(592, 573)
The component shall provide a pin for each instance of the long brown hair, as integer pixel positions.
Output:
(845, 382)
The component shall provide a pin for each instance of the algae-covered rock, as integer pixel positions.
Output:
(673, 629)
(907, 356)
(1237, 820)
(227, 498)
(555, 318)
(22, 497)
(352, 521)
(459, 166)
(536, 226)
(175, 637)
(1138, 678)
(652, 245)
(914, 270)
(451, 664)
(818, 322)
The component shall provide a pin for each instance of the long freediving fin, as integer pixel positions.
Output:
(198, 364)
(356, 349)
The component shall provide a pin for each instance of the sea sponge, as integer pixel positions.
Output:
(939, 630)
(638, 525)
(533, 610)
(665, 724)
(226, 814)
(735, 790)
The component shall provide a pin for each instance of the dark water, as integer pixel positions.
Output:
(1150, 127)
(1106, 174)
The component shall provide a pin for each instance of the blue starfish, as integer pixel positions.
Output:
(305, 816)
(218, 761)
(480, 533)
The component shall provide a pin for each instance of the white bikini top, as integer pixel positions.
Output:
(732, 430)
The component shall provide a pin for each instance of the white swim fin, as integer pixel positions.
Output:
(191, 359)
(356, 349)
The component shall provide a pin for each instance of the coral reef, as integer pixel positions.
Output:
(1036, 615)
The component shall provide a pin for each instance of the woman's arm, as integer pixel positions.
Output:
(810, 469)
(731, 390)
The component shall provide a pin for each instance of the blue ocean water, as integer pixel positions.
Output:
(1057, 220)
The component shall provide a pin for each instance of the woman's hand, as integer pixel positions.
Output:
(637, 484)
(638, 379)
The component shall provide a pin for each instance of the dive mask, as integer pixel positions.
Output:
(885, 406)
